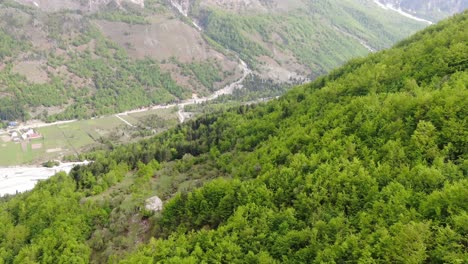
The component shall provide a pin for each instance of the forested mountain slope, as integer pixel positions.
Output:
(77, 59)
(366, 164)
(297, 37)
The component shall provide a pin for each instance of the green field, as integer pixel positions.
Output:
(170, 113)
(58, 140)
(11, 152)
(72, 138)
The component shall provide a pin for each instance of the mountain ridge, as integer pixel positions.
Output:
(60, 39)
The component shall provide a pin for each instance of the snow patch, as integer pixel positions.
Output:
(401, 12)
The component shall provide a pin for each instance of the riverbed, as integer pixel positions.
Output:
(23, 178)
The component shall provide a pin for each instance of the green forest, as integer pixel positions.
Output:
(367, 164)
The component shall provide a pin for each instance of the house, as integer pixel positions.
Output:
(30, 132)
(35, 136)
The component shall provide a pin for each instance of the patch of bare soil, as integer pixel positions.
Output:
(52, 110)
(168, 37)
(282, 67)
(160, 40)
(33, 71)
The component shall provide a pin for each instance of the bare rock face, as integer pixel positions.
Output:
(154, 204)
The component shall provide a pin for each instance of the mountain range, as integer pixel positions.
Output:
(76, 59)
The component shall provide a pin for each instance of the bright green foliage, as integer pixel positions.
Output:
(48, 225)
(367, 164)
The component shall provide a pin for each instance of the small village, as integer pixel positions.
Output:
(20, 135)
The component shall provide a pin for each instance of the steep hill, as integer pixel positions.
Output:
(77, 59)
(366, 164)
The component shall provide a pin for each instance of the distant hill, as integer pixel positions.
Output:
(76, 59)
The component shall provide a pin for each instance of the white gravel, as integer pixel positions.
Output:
(23, 178)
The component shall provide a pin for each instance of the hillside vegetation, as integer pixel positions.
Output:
(320, 36)
(61, 66)
(366, 164)
(61, 61)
